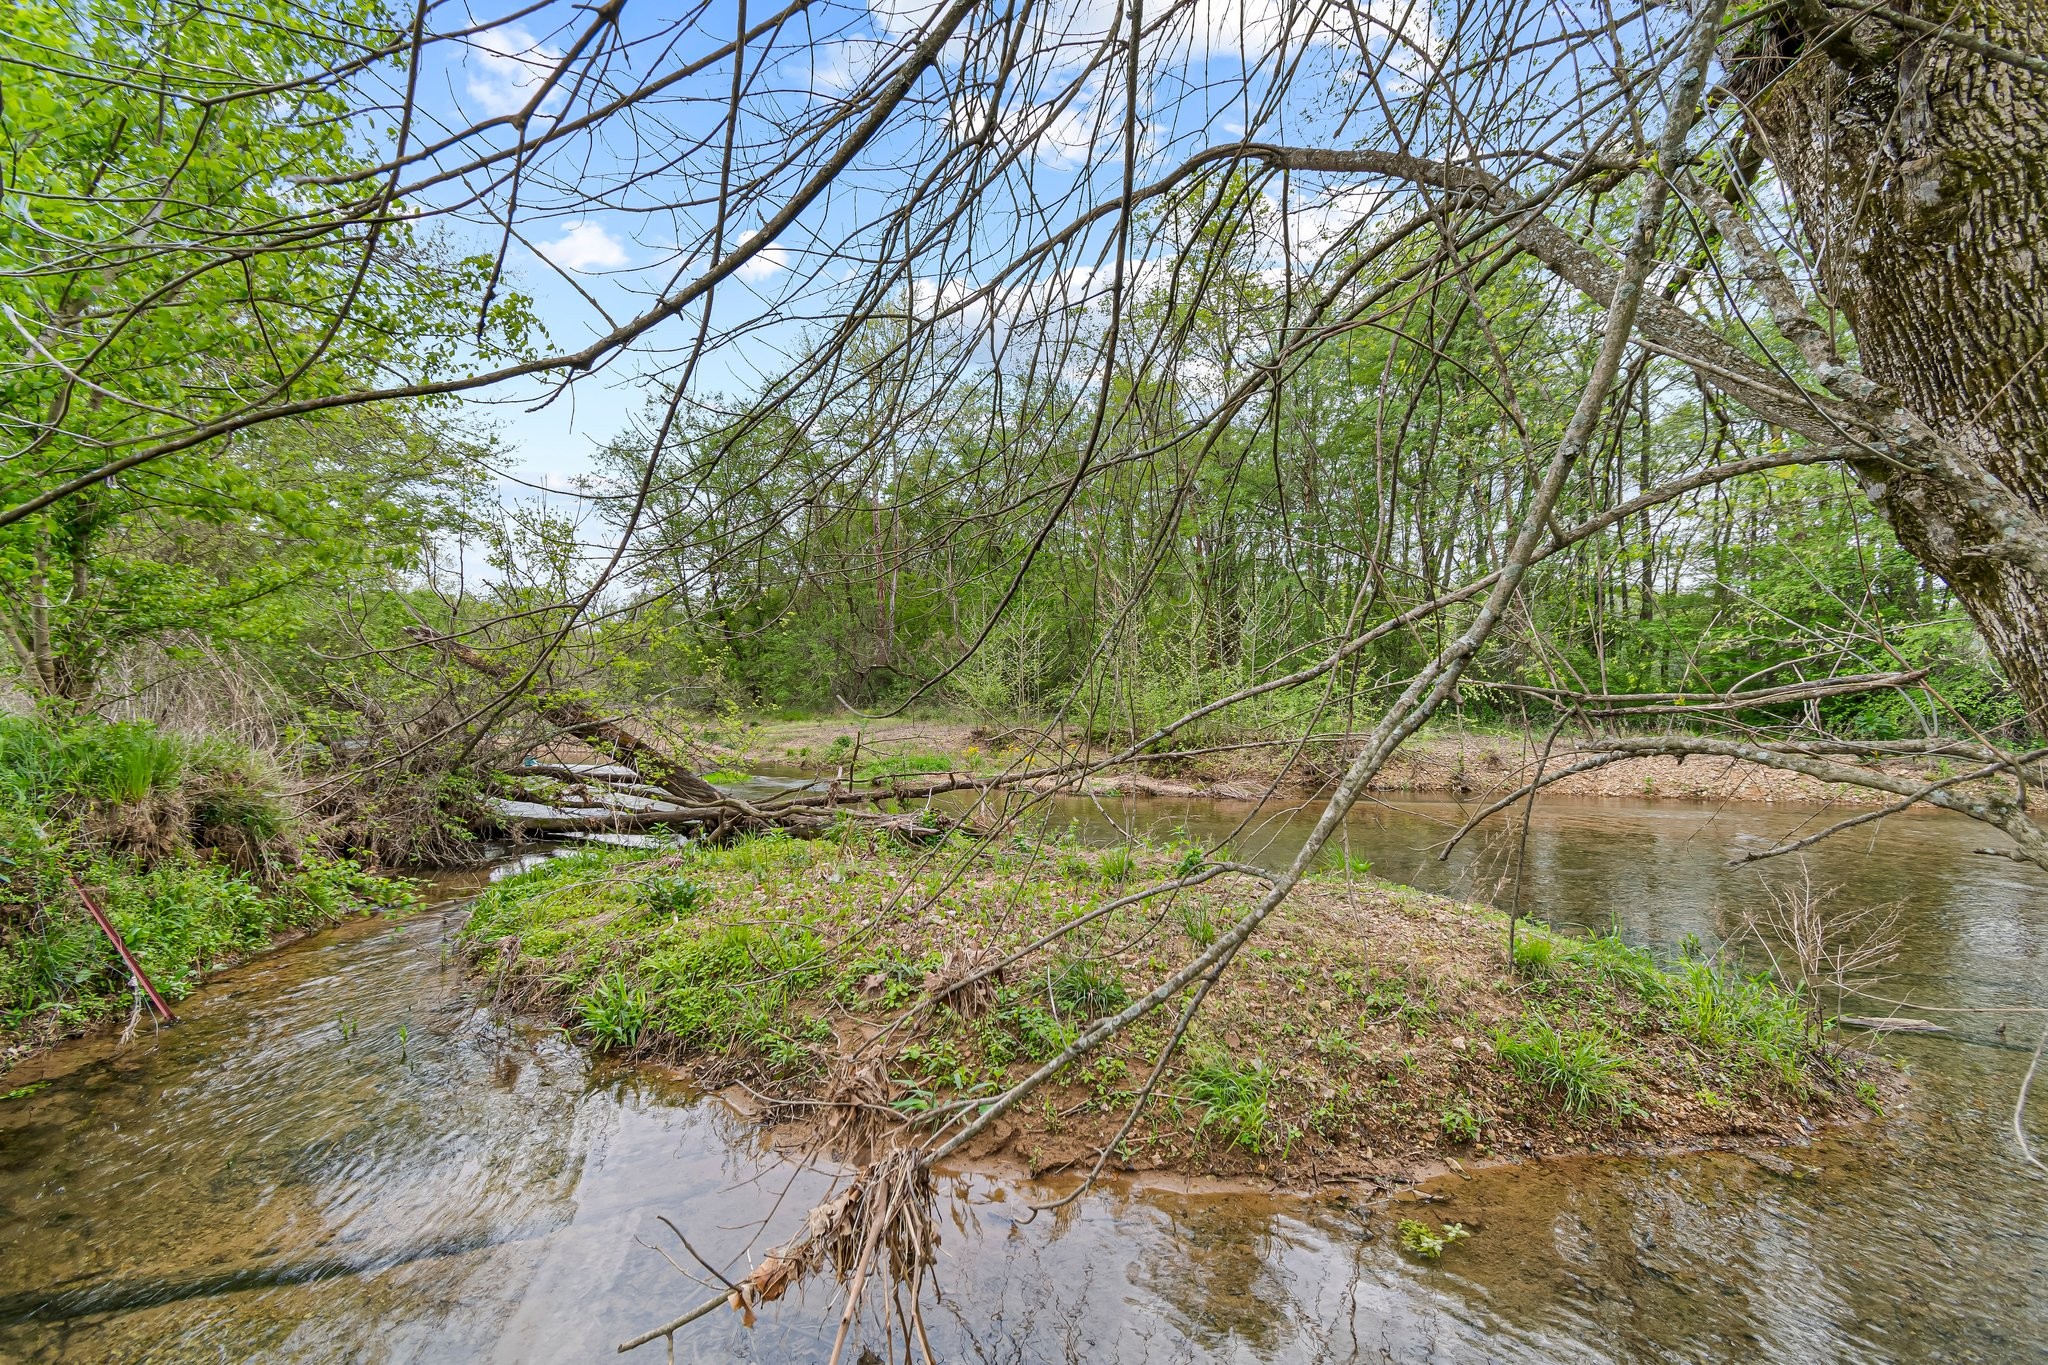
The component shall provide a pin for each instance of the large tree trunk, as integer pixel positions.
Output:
(1919, 168)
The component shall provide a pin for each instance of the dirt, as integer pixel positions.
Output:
(1464, 762)
(1365, 1024)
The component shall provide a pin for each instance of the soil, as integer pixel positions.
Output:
(1458, 761)
(1363, 1037)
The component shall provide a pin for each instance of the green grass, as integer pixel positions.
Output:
(1086, 987)
(732, 954)
(674, 895)
(1744, 1022)
(1236, 1096)
(42, 763)
(910, 764)
(209, 870)
(1115, 865)
(1580, 1064)
(587, 918)
(181, 919)
(1745, 1016)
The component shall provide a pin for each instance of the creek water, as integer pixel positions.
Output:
(341, 1155)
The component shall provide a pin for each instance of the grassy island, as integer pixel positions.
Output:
(1367, 1032)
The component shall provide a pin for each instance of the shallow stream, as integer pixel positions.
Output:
(340, 1156)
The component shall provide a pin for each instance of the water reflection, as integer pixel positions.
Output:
(341, 1156)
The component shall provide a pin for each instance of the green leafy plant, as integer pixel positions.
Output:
(614, 1011)
(1460, 1121)
(671, 895)
(1419, 1239)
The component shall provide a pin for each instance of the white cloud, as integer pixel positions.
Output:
(584, 246)
(1321, 217)
(764, 264)
(505, 67)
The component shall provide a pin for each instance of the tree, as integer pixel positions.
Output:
(1914, 146)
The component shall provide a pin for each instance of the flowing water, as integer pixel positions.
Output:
(340, 1156)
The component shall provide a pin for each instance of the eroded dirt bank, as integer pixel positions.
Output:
(1469, 763)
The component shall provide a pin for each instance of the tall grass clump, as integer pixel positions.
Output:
(1236, 1097)
(187, 845)
(1747, 1016)
(1580, 1064)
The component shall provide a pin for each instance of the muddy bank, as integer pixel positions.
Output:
(1369, 1034)
(1458, 762)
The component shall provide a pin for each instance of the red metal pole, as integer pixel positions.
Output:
(107, 927)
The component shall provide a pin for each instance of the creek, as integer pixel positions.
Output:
(342, 1155)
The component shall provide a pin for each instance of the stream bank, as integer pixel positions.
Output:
(1440, 760)
(344, 1154)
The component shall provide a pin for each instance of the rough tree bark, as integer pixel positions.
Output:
(1918, 165)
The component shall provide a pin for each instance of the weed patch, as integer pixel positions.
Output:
(1581, 1065)
(1235, 1097)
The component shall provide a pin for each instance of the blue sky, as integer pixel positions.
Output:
(588, 265)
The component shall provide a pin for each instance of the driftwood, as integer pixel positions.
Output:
(607, 733)
(618, 798)
(1889, 1025)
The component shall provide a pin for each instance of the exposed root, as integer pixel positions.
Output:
(883, 1220)
(965, 982)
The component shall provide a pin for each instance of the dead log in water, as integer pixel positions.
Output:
(607, 733)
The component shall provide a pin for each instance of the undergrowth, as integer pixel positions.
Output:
(186, 845)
